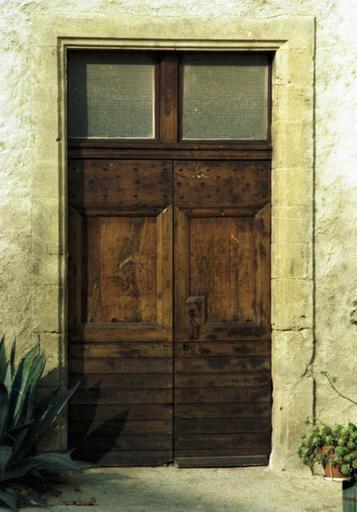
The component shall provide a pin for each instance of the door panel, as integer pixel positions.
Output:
(223, 264)
(207, 183)
(128, 221)
(222, 311)
(112, 184)
(120, 309)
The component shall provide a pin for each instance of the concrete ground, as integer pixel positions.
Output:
(169, 489)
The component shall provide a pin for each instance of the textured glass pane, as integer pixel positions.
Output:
(225, 96)
(110, 94)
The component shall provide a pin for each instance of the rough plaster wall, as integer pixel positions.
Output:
(335, 175)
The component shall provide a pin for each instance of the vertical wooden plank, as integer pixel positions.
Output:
(247, 269)
(168, 99)
(182, 261)
(164, 269)
(263, 256)
(91, 294)
(74, 268)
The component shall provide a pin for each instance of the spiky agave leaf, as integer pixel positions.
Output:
(12, 358)
(17, 470)
(41, 424)
(19, 386)
(4, 406)
(5, 456)
(9, 498)
(27, 412)
(56, 462)
(17, 436)
(3, 361)
(22, 425)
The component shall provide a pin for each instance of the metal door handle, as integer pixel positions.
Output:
(196, 313)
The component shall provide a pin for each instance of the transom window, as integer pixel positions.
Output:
(175, 97)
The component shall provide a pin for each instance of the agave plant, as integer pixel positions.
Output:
(24, 420)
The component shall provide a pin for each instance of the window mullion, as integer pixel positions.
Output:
(168, 99)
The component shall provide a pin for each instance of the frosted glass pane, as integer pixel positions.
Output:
(110, 94)
(225, 96)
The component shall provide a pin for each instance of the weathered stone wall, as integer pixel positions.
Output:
(30, 190)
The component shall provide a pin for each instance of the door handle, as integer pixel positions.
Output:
(196, 310)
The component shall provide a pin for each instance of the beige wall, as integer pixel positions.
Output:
(314, 172)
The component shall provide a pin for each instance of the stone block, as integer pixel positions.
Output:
(292, 186)
(291, 355)
(46, 226)
(291, 261)
(291, 102)
(294, 67)
(45, 308)
(292, 405)
(291, 304)
(292, 143)
(52, 347)
(46, 270)
(46, 172)
(291, 224)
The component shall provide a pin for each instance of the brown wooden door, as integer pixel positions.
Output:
(128, 221)
(120, 310)
(222, 313)
(169, 257)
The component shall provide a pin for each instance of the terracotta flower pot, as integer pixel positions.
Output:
(332, 472)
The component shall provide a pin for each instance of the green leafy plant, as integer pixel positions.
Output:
(340, 441)
(24, 420)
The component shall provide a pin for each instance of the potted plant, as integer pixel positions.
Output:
(334, 447)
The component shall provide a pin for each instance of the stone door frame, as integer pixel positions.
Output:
(292, 39)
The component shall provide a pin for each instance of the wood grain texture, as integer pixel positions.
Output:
(132, 411)
(115, 184)
(212, 460)
(122, 396)
(222, 348)
(121, 349)
(121, 365)
(222, 380)
(222, 184)
(116, 427)
(222, 395)
(122, 380)
(168, 99)
(222, 441)
(219, 410)
(134, 443)
(128, 458)
(216, 258)
(121, 269)
(221, 425)
(221, 364)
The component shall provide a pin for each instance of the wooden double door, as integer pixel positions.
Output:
(169, 310)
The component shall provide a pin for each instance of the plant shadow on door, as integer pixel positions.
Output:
(95, 435)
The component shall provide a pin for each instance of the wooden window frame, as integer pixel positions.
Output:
(168, 94)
